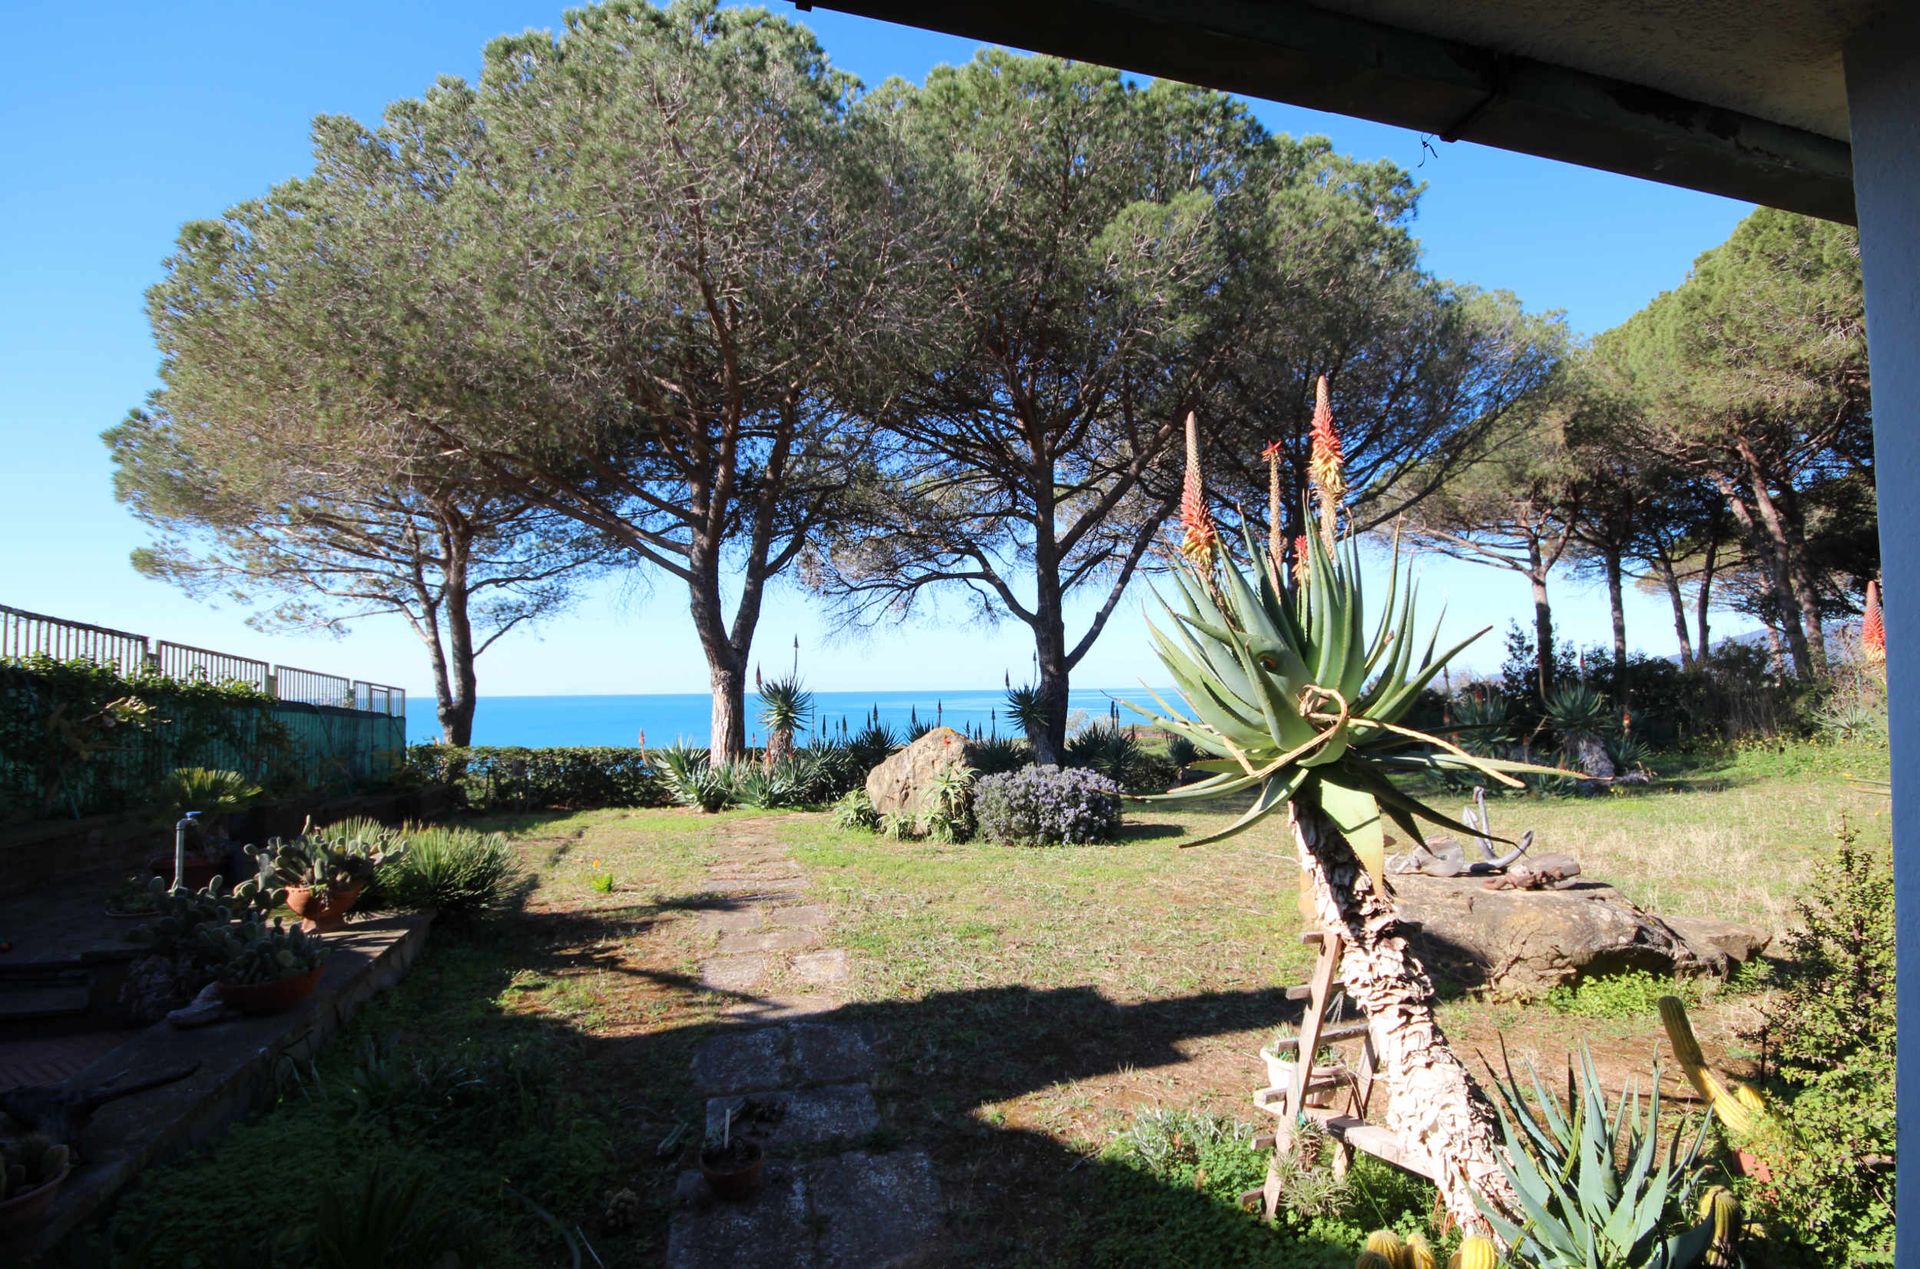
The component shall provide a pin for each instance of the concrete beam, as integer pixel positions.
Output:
(1288, 51)
(1883, 99)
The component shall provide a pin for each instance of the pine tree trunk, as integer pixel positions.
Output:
(1679, 601)
(1434, 1103)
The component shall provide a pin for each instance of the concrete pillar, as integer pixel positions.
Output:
(1883, 99)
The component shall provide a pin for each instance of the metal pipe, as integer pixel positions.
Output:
(180, 847)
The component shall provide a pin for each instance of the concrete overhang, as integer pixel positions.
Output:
(1744, 98)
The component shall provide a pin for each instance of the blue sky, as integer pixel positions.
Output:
(125, 120)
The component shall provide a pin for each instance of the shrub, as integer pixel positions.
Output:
(997, 754)
(455, 871)
(855, 810)
(1047, 806)
(1831, 1031)
(559, 778)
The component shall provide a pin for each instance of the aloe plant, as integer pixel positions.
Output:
(1579, 1208)
(1302, 703)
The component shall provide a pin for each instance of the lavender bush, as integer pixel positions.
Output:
(1047, 806)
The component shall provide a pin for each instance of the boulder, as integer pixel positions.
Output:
(899, 785)
(1708, 936)
(1521, 943)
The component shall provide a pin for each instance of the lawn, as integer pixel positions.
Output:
(1032, 1004)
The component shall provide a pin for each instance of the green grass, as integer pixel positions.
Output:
(1036, 1003)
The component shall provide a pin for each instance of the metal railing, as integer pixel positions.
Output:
(24, 634)
(187, 663)
(312, 687)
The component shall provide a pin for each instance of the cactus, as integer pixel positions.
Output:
(1719, 1206)
(1387, 1245)
(255, 952)
(335, 858)
(1419, 1253)
(1740, 1108)
(1475, 1253)
(1372, 1260)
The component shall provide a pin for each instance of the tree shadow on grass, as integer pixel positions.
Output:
(1014, 1195)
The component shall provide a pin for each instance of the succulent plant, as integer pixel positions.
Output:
(1581, 1208)
(1419, 1253)
(1475, 1253)
(338, 857)
(29, 1162)
(1387, 1248)
(256, 952)
(179, 914)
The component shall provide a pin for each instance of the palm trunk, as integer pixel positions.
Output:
(1434, 1104)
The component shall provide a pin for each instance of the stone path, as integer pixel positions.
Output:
(801, 1081)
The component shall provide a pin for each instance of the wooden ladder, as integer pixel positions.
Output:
(1312, 1092)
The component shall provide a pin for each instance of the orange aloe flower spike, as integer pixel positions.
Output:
(1198, 535)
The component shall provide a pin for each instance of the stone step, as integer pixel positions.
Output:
(831, 1114)
(849, 1211)
(760, 1058)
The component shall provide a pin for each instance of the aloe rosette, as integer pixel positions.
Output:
(1297, 698)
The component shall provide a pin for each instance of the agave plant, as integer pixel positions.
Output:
(785, 708)
(1301, 703)
(1580, 1208)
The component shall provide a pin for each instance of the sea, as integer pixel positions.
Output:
(661, 719)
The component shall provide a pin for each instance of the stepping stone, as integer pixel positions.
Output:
(721, 920)
(832, 1114)
(873, 1209)
(757, 891)
(733, 973)
(742, 1061)
(825, 1052)
(828, 967)
(801, 916)
(733, 943)
(769, 1228)
(781, 1008)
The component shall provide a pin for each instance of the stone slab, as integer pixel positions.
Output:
(771, 1228)
(828, 967)
(725, 920)
(749, 891)
(828, 1052)
(756, 1059)
(781, 1008)
(734, 943)
(734, 973)
(742, 1061)
(829, 1115)
(874, 1210)
(810, 916)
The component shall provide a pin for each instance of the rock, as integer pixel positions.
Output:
(1520, 943)
(899, 785)
(1708, 936)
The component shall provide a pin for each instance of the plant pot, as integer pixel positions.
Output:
(1752, 1166)
(129, 916)
(25, 1211)
(322, 909)
(273, 997)
(733, 1179)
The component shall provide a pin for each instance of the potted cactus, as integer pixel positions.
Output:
(31, 1170)
(264, 968)
(324, 871)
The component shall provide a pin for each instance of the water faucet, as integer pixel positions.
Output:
(186, 822)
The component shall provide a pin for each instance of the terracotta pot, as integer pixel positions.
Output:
(735, 1181)
(322, 909)
(1752, 1166)
(24, 1211)
(273, 997)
